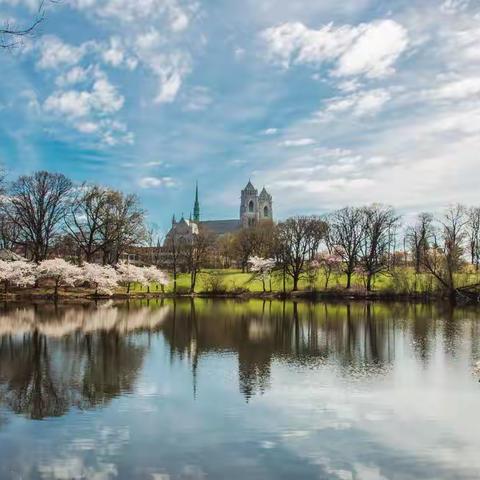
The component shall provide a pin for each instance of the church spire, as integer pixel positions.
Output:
(196, 207)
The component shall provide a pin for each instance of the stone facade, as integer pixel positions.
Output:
(254, 208)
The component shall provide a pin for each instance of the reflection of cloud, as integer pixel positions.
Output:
(23, 320)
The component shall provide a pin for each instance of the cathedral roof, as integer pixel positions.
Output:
(249, 187)
(221, 227)
(264, 193)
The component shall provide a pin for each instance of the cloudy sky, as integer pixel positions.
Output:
(326, 103)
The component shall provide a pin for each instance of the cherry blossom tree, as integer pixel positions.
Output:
(153, 275)
(328, 263)
(103, 278)
(262, 268)
(130, 273)
(19, 273)
(60, 271)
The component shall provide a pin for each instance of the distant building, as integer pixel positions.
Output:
(254, 208)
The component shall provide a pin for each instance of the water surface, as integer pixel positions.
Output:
(237, 390)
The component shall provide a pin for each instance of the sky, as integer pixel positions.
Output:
(325, 103)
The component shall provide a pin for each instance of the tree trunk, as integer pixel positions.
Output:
(6, 287)
(295, 282)
(128, 288)
(56, 289)
(369, 282)
(349, 280)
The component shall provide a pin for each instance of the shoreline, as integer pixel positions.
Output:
(354, 295)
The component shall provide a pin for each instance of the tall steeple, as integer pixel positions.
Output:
(196, 207)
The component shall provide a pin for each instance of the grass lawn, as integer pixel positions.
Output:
(404, 280)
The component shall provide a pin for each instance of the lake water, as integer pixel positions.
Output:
(239, 390)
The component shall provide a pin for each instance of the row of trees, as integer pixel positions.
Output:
(44, 214)
(104, 279)
(363, 241)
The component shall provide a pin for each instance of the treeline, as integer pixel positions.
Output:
(46, 215)
(364, 242)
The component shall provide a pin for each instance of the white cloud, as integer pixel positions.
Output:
(155, 182)
(269, 131)
(73, 76)
(91, 110)
(116, 55)
(359, 104)
(133, 11)
(300, 142)
(170, 68)
(54, 53)
(369, 49)
(375, 51)
(454, 6)
(103, 98)
(462, 88)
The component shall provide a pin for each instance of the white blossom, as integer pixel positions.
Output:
(62, 272)
(103, 278)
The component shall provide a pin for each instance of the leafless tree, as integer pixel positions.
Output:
(36, 207)
(195, 254)
(123, 225)
(473, 235)
(12, 35)
(344, 238)
(378, 224)
(419, 238)
(298, 237)
(86, 219)
(444, 260)
(174, 249)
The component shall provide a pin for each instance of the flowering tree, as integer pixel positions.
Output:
(328, 263)
(61, 272)
(103, 278)
(18, 272)
(153, 275)
(130, 273)
(262, 268)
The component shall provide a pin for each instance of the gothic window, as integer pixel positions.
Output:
(265, 211)
(250, 206)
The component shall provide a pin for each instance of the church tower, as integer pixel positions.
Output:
(196, 206)
(249, 214)
(265, 209)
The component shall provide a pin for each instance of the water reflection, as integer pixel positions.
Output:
(229, 389)
(56, 357)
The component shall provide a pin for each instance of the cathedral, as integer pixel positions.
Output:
(254, 208)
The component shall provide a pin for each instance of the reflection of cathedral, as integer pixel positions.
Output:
(254, 208)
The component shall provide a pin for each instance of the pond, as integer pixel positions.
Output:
(224, 389)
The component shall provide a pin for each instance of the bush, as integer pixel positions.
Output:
(214, 283)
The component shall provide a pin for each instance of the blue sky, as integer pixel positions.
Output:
(326, 103)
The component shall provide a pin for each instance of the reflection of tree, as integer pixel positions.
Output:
(112, 366)
(30, 386)
(88, 358)
(361, 338)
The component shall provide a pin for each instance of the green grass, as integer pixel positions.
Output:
(405, 281)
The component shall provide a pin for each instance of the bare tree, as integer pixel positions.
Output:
(378, 224)
(123, 225)
(86, 219)
(36, 207)
(444, 260)
(299, 236)
(473, 235)
(194, 254)
(12, 35)
(345, 234)
(173, 247)
(419, 237)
